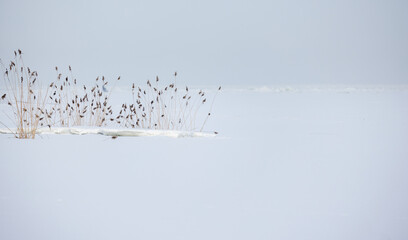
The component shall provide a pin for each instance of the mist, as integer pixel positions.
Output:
(212, 42)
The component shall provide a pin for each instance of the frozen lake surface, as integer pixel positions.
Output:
(288, 163)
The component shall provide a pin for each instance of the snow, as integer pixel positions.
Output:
(293, 164)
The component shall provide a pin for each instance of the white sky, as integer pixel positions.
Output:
(213, 42)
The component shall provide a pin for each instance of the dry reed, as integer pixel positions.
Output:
(24, 96)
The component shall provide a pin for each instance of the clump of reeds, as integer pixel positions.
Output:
(79, 106)
(163, 107)
(65, 103)
(25, 97)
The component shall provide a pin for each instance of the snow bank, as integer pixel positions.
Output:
(328, 88)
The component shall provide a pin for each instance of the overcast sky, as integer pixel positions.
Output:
(213, 41)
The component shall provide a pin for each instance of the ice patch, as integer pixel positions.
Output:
(117, 132)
